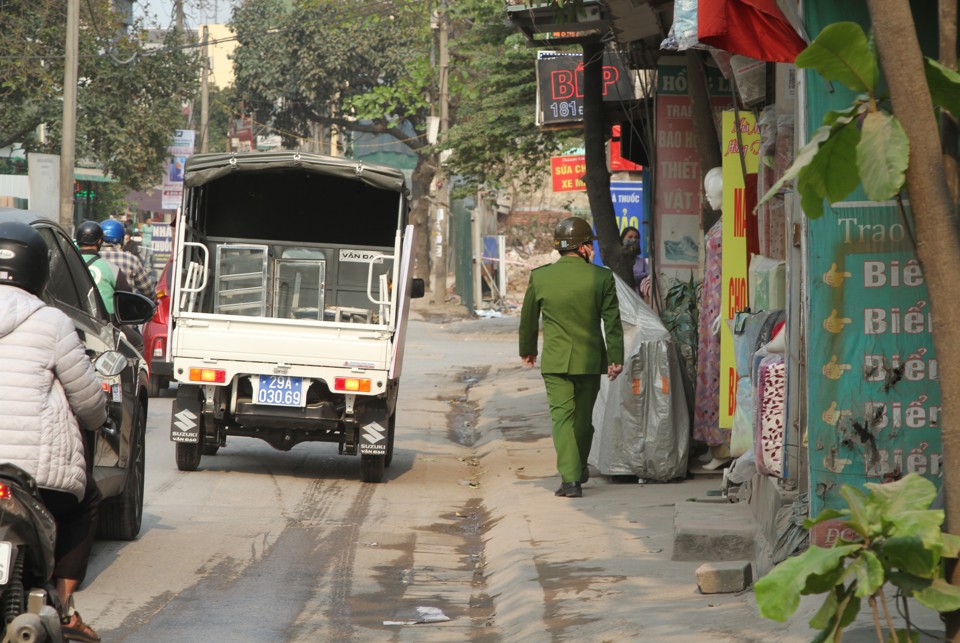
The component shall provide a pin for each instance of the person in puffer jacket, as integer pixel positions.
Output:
(49, 392)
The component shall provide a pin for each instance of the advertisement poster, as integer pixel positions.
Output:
(741, 150)
(162, 246)
(628, 208)
(180, 148)
(679, 183)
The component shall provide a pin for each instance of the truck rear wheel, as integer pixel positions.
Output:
(188, 453)
(371, 467)
(188, 456)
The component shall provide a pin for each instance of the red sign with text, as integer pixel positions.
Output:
(567, 173)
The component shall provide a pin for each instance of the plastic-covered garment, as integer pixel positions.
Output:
(685, 24)
(641, 419)
(767, 172)
(741, 433)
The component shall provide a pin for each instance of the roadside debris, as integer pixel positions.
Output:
(420, 615)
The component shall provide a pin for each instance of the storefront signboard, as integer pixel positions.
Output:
(741, 152)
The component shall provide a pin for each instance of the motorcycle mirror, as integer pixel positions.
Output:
(110, 363)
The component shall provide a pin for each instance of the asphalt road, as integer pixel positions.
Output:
(263, 545)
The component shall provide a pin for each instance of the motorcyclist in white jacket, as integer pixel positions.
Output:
(49, 392)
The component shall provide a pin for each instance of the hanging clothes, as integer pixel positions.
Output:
(706, 425)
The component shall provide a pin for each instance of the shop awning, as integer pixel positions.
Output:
(91, 174)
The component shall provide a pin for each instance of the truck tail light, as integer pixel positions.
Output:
(208, 375)
(352, 384)
(4, 491)
(159, 344)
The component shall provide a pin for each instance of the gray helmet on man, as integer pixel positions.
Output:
(571, 233)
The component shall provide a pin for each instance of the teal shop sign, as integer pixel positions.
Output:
(873, 393)
(874, 396)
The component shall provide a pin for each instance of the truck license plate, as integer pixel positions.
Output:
(279, 390)
(6, 561)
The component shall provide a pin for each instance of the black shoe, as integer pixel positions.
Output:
(585, 475)
(569, 490)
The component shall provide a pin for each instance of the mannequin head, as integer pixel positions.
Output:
(713, 187)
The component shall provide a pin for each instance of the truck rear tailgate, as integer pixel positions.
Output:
(280, 341)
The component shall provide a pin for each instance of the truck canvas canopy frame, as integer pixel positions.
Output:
(291, 291)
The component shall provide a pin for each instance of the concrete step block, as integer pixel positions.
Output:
(724, 577)
(713, 531)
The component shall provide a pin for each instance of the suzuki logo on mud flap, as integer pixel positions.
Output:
(185, 420)
(373, 433)
(357, 256)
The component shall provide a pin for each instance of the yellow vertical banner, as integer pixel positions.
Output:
(741, 147)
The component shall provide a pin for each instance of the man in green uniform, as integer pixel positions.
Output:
(573, 296)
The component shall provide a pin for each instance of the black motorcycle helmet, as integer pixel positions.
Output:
(89, 233)
(23, 257)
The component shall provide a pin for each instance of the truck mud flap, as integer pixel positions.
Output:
(185, 418)
(373, 439)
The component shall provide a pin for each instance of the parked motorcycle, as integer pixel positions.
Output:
(30, 609)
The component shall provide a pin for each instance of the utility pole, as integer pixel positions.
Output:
(204, 94)
(69, 135)
(442, 205)
(178, 15)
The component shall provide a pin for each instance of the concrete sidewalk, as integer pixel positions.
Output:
(601, 568)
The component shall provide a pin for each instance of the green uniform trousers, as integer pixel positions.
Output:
(571, 399)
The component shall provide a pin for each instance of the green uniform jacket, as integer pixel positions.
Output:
(573, 296)
(105, 276)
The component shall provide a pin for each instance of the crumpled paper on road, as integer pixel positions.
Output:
(420, 615)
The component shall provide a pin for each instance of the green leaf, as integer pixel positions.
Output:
(811, 194)
(940, 596)
(778, 593)
(837, 158)
(904, 636)
(951, 545)
(907, 553)
(923, 524)
(849, 606)
(882, 156)
(841, 52)
(861, 512)
(820, 583)
(908, 582)
(869, 573)
(809, 154)
(803, 158)
(825, 515)
(827, 613)
(909, 493)
(850, 612)
(944, 86)
(843, 116)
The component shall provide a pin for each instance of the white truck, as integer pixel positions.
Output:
(292, 282)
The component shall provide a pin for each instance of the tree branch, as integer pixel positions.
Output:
(378, 127)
